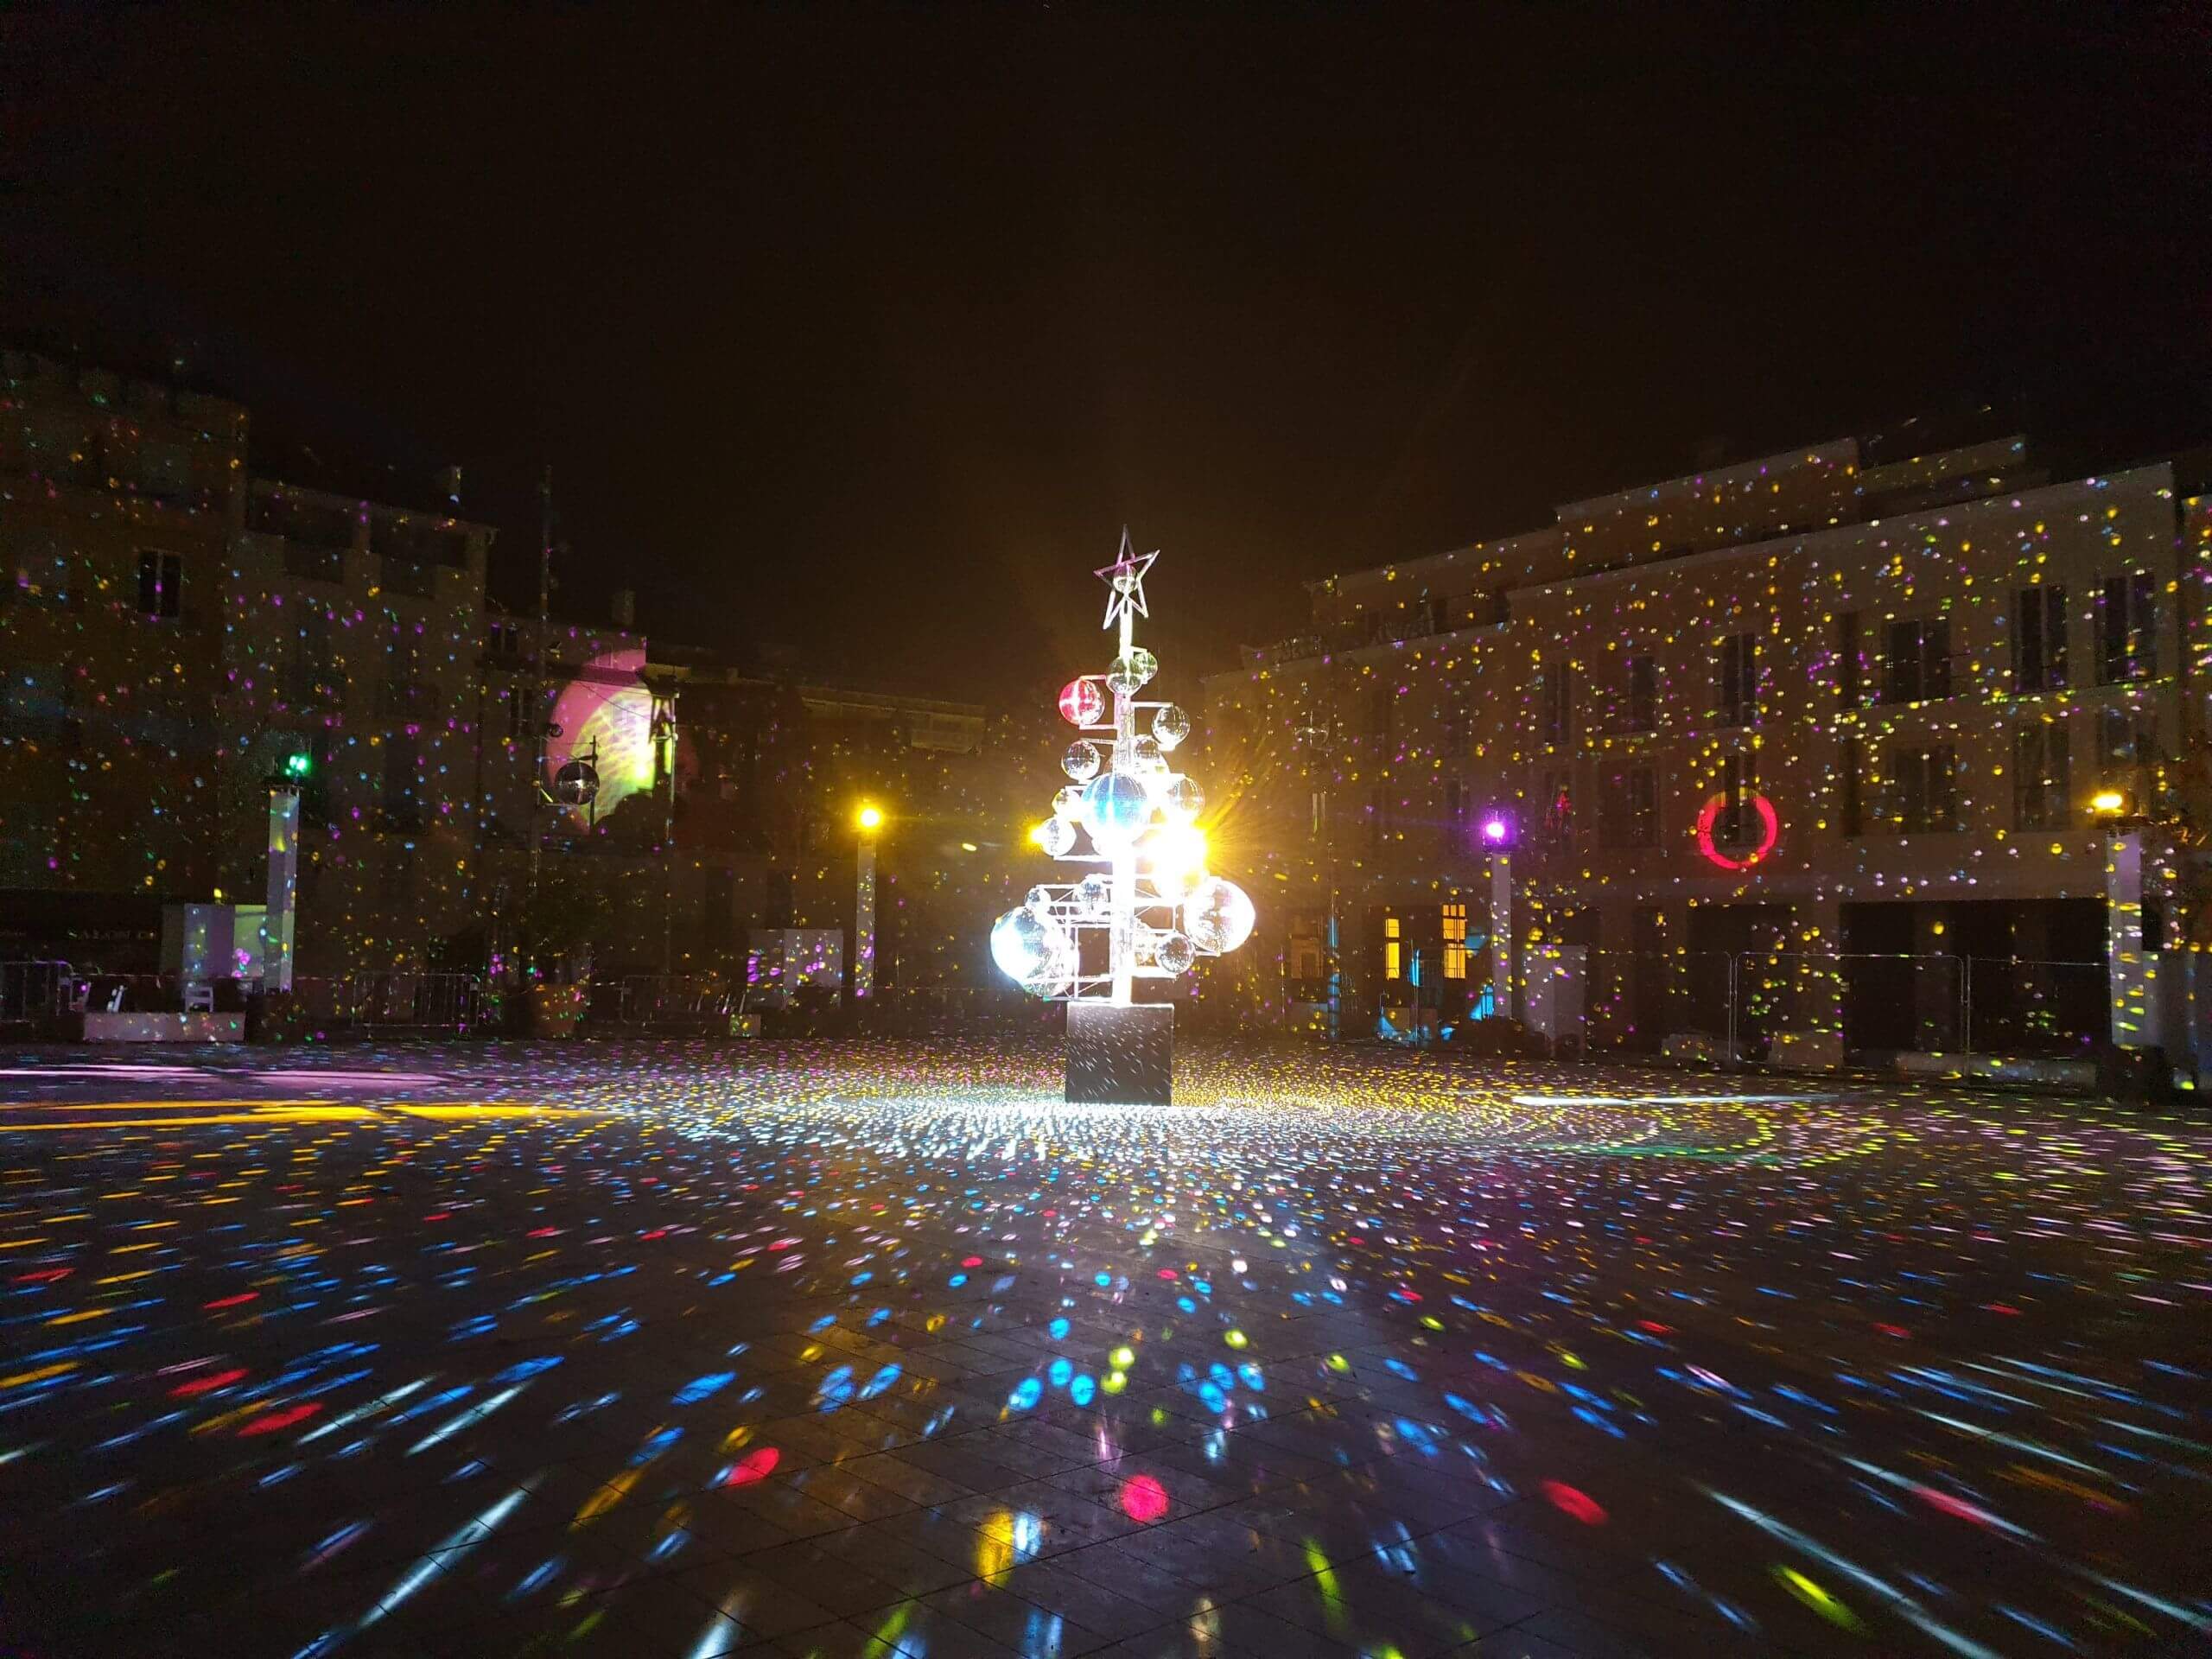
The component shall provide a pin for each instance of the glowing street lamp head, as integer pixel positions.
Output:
(1494, 831)
(869, 817)
(2106, 803)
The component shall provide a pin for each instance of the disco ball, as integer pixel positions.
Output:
(1057, 837)
(1129, 674)
(1116, 809)
(1145, 755)
(1217, 916)
(576, 783)
(1082, 704)
(1175, 953)
(1081, 761)
(1092, 894)
(1034, 954)
(1181, 800)
(1170, 725)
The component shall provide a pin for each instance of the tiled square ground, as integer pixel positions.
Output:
(879, 1349)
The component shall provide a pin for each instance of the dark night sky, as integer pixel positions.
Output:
(866, 329)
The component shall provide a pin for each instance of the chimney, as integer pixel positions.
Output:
(626, 609)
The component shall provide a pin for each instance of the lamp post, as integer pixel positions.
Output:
(868, 820)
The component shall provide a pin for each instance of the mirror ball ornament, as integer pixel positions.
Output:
(1057, 837)
(576, 783)
(1092, 894)
(1081, 761)
(1170, 725)
(1145, 755)
(1082, 704)
(1217, 916)
(1181, 801)
(1068, 803)
(1036, 954)
(1129, 674)
(1175, 953)
(1116, 809)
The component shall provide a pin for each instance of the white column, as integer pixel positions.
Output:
(864, 920)
(276, 919)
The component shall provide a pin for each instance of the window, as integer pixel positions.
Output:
(2039, 639)
(1455, 941)
(1849, 666)
(2041, 786)
(1629, 814)
(1739, 823)
(1557, 715)
(2126, 738)
(1382, 705)
(1642, 695)
(1307, 954)
(402, 759)
(1736, 700)
(1556, 805)
(1320, 811)
(1923, 794)
(1393, 949)
(161, 581)
(1916, 660)
(2127, 629)
(1850, 786)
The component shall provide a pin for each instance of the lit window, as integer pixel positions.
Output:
(1455, 941)
(1393, 949)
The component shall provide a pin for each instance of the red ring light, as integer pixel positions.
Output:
(1770, 830)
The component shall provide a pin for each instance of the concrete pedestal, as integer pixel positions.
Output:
(1121, 1057)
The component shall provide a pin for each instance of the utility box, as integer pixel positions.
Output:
(784, 960)
(1556, 977)
(211, 942)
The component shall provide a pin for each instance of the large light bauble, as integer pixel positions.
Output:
(1175, 953)
(1181, 800)
(1145, 755)
(1116, 809)
(1170, 725)
(1217, 916)
(1092, 895)
(1034, 953)
(1056, 836)
(1081, 761)
(1127, 674)
(1082, 704)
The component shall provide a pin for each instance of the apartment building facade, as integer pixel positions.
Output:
(1796, 718)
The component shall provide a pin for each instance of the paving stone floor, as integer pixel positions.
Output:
(684, 1349)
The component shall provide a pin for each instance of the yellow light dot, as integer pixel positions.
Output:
(1123, 1358)
(1235, 1338)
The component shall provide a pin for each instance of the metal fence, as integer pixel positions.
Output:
(34, 992)
(395, 1001)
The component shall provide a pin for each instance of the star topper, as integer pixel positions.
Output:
(1125, 580)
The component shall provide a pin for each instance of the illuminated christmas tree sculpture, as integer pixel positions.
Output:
(1147, 910)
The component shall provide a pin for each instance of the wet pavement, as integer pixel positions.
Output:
(685, 1349)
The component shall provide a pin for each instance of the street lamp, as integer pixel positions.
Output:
(869, 821)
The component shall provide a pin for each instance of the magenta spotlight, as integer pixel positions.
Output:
(1494, 830)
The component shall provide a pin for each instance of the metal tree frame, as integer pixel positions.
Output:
(1146, 900)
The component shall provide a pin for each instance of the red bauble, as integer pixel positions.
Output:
(1082, 704)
